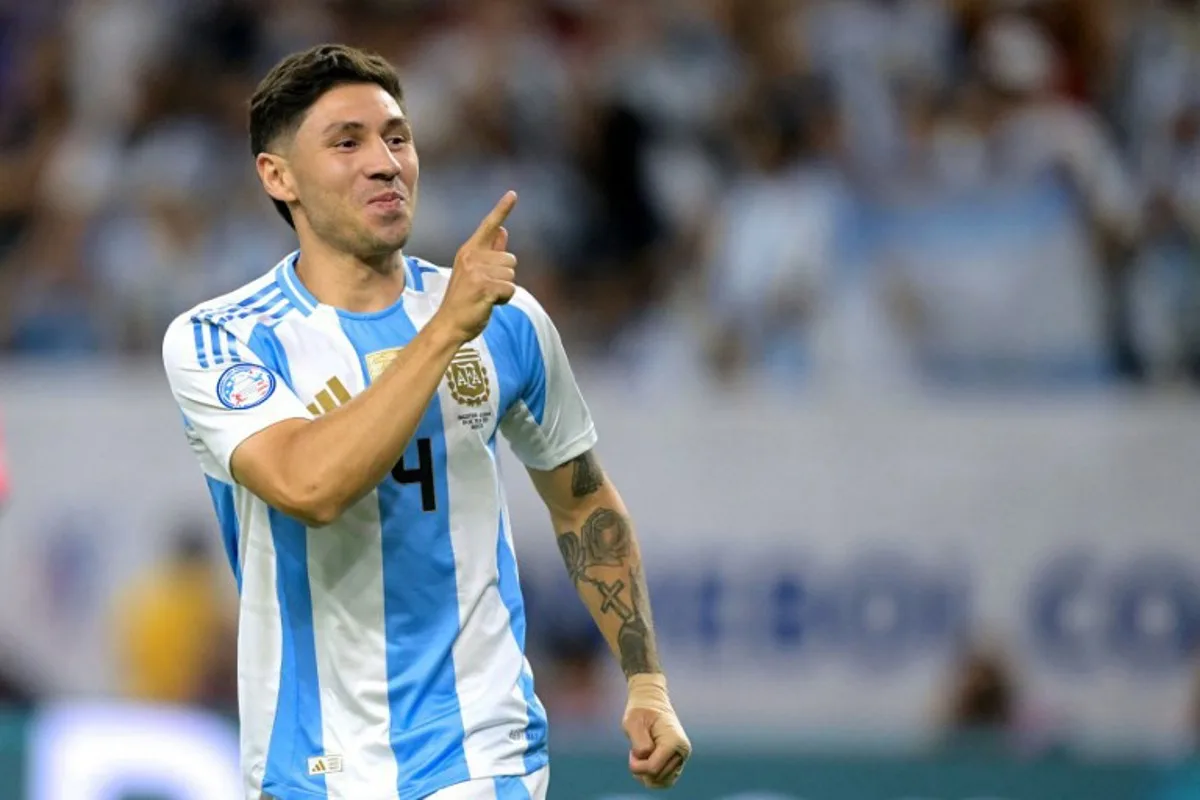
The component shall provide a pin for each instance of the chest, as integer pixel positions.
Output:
(329, 368)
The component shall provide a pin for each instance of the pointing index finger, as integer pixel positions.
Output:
(487, 229)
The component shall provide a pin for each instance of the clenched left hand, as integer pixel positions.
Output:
(659, 748)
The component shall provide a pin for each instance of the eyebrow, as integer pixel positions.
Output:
(354, 126)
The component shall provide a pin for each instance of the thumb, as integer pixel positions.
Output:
(637, 728)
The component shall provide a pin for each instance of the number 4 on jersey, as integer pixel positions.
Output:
(422, 474)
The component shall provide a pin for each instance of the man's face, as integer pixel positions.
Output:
(351, 168)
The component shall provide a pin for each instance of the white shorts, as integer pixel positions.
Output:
(524, 787)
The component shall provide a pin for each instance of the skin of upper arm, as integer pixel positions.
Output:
(259, 464)
(571, 487)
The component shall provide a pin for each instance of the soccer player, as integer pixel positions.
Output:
(344, 409)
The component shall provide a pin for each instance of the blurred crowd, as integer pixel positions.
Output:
(861, 193)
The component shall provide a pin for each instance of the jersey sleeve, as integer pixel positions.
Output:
(225, 391)
(549, 424)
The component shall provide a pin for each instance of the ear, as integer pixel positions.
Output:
(276, 177)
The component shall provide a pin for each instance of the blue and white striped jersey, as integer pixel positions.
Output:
(381, 657)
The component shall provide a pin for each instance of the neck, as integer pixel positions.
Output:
(349, 282)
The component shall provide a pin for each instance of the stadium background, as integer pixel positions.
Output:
(886, 309)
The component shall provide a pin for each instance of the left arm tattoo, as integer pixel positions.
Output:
(586, 475)
(605, 566)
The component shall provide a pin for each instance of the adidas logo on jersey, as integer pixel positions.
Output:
(333, 395)
(324, 765)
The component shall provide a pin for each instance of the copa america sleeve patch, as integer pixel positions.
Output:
(245, 386)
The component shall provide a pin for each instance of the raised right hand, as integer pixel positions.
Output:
(483, 275)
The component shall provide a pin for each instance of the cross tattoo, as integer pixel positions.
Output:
(612, 599)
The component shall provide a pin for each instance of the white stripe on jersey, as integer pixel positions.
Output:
(260, 639)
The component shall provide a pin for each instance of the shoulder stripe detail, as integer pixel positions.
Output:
(280, 309)
(214, 336)
(261, 294)
(243, 310)
(198, 331)
(271, 302)
(248, 307)
(231, 344)
(268, 303)
(223, 352)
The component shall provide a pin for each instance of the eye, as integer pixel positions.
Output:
(398, 139)
(346, 144)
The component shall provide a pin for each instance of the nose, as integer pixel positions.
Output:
(384, 165)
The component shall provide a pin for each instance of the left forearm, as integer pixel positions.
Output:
(598, 544)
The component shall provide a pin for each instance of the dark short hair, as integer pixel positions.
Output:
(293, 85)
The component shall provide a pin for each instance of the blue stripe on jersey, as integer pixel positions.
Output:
(536, 753)
(266, 345)
(231, 344)
(275, 305)
(275, 298)
(222, 500)
(511, 788)
(198, 330)
(296, 736)
(259, 295)
(515, 350)
(243, 308)
(214, 336)
(282, 309)
(420, 588)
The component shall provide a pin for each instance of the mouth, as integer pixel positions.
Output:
(387, 201)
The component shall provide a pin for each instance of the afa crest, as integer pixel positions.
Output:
(468, 378)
